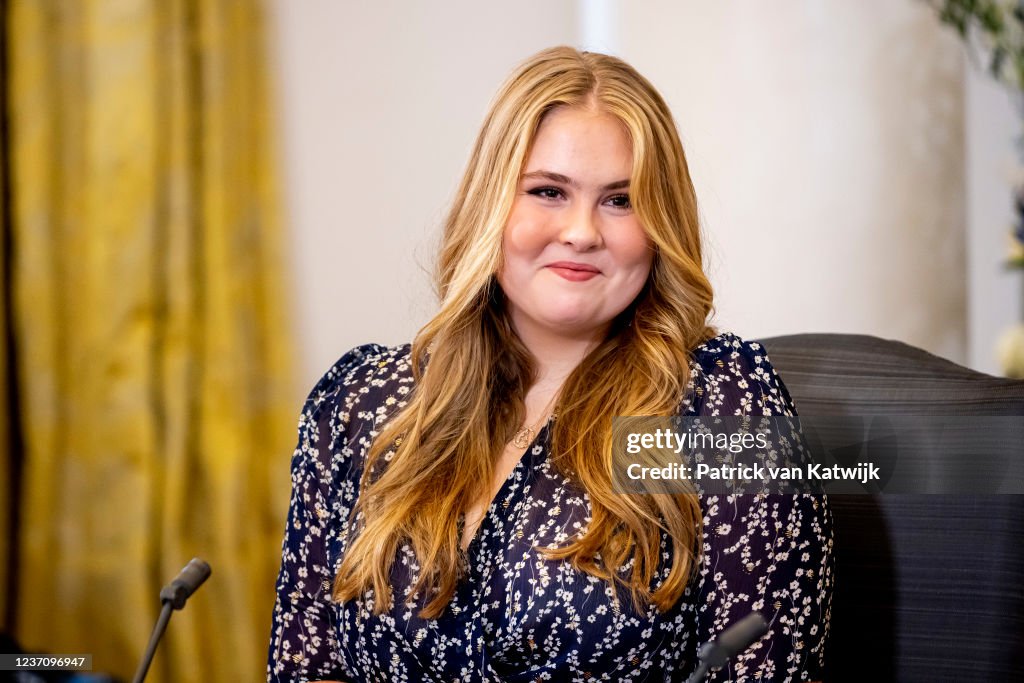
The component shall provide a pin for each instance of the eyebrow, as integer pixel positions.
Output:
(559, 178)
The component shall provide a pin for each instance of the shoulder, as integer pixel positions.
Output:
(728, 349)
(359, 375)
(342, 410)
(732, 376)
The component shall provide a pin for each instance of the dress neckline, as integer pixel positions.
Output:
(525, 462)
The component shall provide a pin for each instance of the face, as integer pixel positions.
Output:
(575, 254)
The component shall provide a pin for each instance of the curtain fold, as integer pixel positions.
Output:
(154, 352)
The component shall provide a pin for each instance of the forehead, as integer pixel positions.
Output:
(577, 140)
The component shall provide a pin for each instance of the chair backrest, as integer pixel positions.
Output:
(928, 587)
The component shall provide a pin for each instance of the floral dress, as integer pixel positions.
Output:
(517, 616)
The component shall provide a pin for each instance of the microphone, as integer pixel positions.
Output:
(185, 583)
(730, 642)
(173, 596)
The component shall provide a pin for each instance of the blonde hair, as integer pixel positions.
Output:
(472, 372)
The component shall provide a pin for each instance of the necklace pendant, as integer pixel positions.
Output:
(523, 437)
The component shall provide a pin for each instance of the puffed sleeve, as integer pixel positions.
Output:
(303, 638)
(770, 553)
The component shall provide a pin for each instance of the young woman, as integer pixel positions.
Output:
(452, 515)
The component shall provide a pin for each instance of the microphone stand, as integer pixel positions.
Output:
(154, 640)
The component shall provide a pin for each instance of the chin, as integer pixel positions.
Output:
(572, 310)
(573, 325)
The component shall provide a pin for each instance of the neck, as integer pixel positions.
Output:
(555, 355)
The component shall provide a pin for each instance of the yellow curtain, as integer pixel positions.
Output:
(152, 346)
(7, 453)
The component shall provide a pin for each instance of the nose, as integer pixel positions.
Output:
(581, 229)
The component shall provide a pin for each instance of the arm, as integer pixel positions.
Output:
(769, 553)
(304, 640)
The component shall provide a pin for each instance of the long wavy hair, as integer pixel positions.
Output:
(432, 459)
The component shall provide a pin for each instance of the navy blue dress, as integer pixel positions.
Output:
(518, 617)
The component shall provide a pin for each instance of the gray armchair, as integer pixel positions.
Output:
(928, 587)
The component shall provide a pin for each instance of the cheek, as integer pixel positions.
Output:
(524, 233)
(522, 243)
(518, 250)
(635, 250)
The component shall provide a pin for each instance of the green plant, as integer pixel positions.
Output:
(995, 31)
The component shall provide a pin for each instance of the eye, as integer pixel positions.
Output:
(546, 192)
(620, 201)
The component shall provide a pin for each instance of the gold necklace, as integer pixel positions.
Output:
(525, 436)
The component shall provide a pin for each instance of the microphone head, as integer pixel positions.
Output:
(733, 640)
(185, 583)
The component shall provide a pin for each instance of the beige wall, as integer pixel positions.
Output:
(826, 141)
(380, 102)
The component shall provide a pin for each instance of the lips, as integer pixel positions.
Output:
(572, 271)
